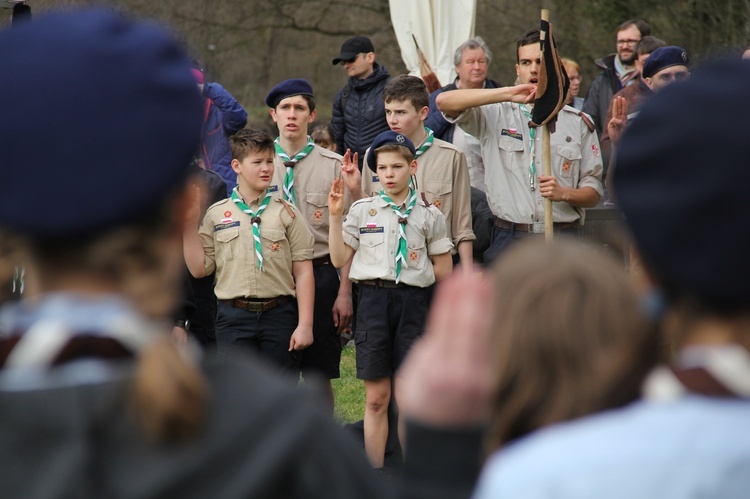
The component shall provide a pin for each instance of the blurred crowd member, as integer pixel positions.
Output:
(223, 116)
(322, 135)
(574, 74)
(472, 60)
(689, 436)
(358, 113)
(570, 338)
(618, 70)
(96, 399)
(634, 94)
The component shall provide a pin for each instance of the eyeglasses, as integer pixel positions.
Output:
(627, 42)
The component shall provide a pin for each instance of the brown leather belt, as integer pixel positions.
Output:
(258, 305)
(382, 283)
(504, 224)
(320, 261)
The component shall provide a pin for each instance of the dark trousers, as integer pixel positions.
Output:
(324, 355)
(266, 333)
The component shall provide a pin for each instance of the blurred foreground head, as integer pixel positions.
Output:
(100, 118)
(569, 338)
(681, 182)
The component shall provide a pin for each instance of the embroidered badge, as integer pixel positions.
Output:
(437, 203)
(226, 220)
(273, 188)
(595, 150)
(373, 212)
(372, 224)
(512, 133)
(227, 214)
(318, 215)
(375, 179)
(413, 255)
(275, 246)
(371, 230)
(566, 165)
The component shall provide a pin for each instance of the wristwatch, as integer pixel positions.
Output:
(183, 323)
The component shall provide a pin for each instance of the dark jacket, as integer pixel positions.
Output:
(600, 93)
(364, 117)
(222, 116)
(435, 120)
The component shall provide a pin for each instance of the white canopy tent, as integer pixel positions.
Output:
(439, 26)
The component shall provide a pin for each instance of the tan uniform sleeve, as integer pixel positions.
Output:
(438, 241)
(591, 162)
(301, 240)
(461, 221)
(206, 233)
(472, 121)
(350, 227)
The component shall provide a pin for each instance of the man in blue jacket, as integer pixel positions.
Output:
(358, 108)
(223, 116)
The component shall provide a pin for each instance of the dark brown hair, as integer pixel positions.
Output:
(248, 141)
(407, 88)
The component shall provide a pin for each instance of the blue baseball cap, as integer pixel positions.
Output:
(99, 119)
(387, 138)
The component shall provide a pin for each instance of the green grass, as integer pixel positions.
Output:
(349, 392)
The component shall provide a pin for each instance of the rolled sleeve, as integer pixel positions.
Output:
(206, 233)
(301, 240)
(471, 121)
(591, 162)
(438, 242)
(350, 231)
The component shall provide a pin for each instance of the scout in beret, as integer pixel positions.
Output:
(665, 65)
(302, 176)
(261, 251)
(443, 176)
(398, 247)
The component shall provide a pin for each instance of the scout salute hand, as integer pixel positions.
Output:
(336, 196)
(351, 175)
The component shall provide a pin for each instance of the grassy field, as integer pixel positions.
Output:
(349, 392)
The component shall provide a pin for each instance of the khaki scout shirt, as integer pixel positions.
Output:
(227, 237)
(313, 177)
(503, 132)
(443, 176)
(371, 229)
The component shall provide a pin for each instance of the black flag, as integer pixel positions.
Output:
(553, 81)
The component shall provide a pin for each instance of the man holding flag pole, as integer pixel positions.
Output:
(507, 123)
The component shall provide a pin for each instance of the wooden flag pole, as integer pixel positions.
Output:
(546, 156)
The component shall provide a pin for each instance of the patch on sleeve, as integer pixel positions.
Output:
(595, 150)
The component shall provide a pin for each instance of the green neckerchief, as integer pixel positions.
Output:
(402, 219)
(426, 144)
(290, 163)
(532, 150)
(254, 219)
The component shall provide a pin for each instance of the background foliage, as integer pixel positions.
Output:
(250, 45)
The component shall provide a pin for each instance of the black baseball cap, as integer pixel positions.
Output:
(352, 47)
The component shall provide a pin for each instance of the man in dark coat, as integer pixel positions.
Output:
(358, 109)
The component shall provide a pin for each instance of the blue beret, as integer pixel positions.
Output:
(681, 181)
(663, 58)
(384, 139)
(288, 88)
(99, 118)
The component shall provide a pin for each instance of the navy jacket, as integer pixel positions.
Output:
(223, 116)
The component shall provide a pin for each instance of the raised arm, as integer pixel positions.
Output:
(457, 101)
(341, 253)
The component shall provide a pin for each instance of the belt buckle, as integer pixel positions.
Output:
(538, 227)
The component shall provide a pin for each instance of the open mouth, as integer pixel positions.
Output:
(534, 80)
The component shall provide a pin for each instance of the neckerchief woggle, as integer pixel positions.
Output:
(402, 219)
(290, 163)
